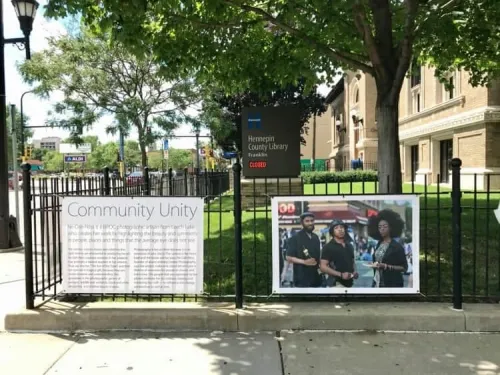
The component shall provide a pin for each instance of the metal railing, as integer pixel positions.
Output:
(459, 240)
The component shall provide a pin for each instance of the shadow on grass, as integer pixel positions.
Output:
(480, 240)
(220, 253)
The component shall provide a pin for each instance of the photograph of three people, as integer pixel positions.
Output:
(346, 244)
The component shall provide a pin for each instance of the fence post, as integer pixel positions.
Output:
(28, 241)
(186, 191)
(170, 182)
(147, 187)
(456, 213)
(107, 185)
(197, 182)
(238, 248)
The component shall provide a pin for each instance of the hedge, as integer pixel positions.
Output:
(344, 176)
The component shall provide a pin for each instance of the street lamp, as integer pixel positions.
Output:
(26, 12)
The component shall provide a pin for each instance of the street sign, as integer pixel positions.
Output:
(69, 148)
(75, 158)
(271, 141)
(165, 144)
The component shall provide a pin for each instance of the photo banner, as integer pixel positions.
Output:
(141, 245)
(366, 244)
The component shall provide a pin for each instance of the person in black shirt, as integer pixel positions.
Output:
(390, 261)
(303, 252)
(337, 257)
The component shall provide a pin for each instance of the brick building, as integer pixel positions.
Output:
(437, 123)
(353, 132)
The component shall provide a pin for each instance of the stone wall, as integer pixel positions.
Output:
(258, 192)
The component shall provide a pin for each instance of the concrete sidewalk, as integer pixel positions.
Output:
(11, 284)
(216, 353)
(105, 316)
(140, 353)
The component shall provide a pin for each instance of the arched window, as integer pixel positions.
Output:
(355, 96)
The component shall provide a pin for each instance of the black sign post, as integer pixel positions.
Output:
(271, 141)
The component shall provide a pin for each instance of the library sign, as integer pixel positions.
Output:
(271, 141)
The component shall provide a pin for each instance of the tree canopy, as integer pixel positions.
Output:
(99, 78)
(177, 159)
(248, 44)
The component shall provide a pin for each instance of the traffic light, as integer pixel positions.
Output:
(28, 152)
(118, 157)
(148, 130)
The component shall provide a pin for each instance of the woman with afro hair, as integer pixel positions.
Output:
(389, 257)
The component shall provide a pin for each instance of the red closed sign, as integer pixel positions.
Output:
(257, 164)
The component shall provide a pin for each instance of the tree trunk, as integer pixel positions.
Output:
(389, 159)
(144, 155)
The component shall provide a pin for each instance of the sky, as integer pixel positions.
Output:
(37, 108)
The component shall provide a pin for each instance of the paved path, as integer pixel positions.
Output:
(11, 284)
(395, 353)
(250, 354)
(140, 353)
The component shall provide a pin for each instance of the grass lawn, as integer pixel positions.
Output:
(480, 241)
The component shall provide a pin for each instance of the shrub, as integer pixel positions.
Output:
(344, 176)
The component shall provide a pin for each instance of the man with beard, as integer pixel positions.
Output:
(337, 257)
(303, 252)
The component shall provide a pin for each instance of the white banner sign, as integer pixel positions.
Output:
(69, 148)
(146, 245)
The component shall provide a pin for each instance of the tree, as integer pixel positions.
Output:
(38, 154)
(100, 78)
(103, 156)
(179, 159)
(53, 161)
(222, 113)
(243, 43)
(132, 154)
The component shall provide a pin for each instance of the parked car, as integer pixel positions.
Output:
(135, 178)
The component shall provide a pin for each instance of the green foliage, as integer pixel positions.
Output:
(38, 154)
(177, 159)
(252, 45)
(53, 161)
(344, 176)
(132, 154)
(100, 78)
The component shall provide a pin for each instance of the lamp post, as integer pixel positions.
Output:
(22, 119)
(26, 12)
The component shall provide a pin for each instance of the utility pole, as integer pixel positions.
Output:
(14, 157)
(26, 12)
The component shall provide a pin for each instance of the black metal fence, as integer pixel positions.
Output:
(459, 237)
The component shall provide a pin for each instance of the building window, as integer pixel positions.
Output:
(451, 88)
(355, 95)
(416, 76)
(415, 100)
(415, 83)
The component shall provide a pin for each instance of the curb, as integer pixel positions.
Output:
(109, 316)
(19, 249)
